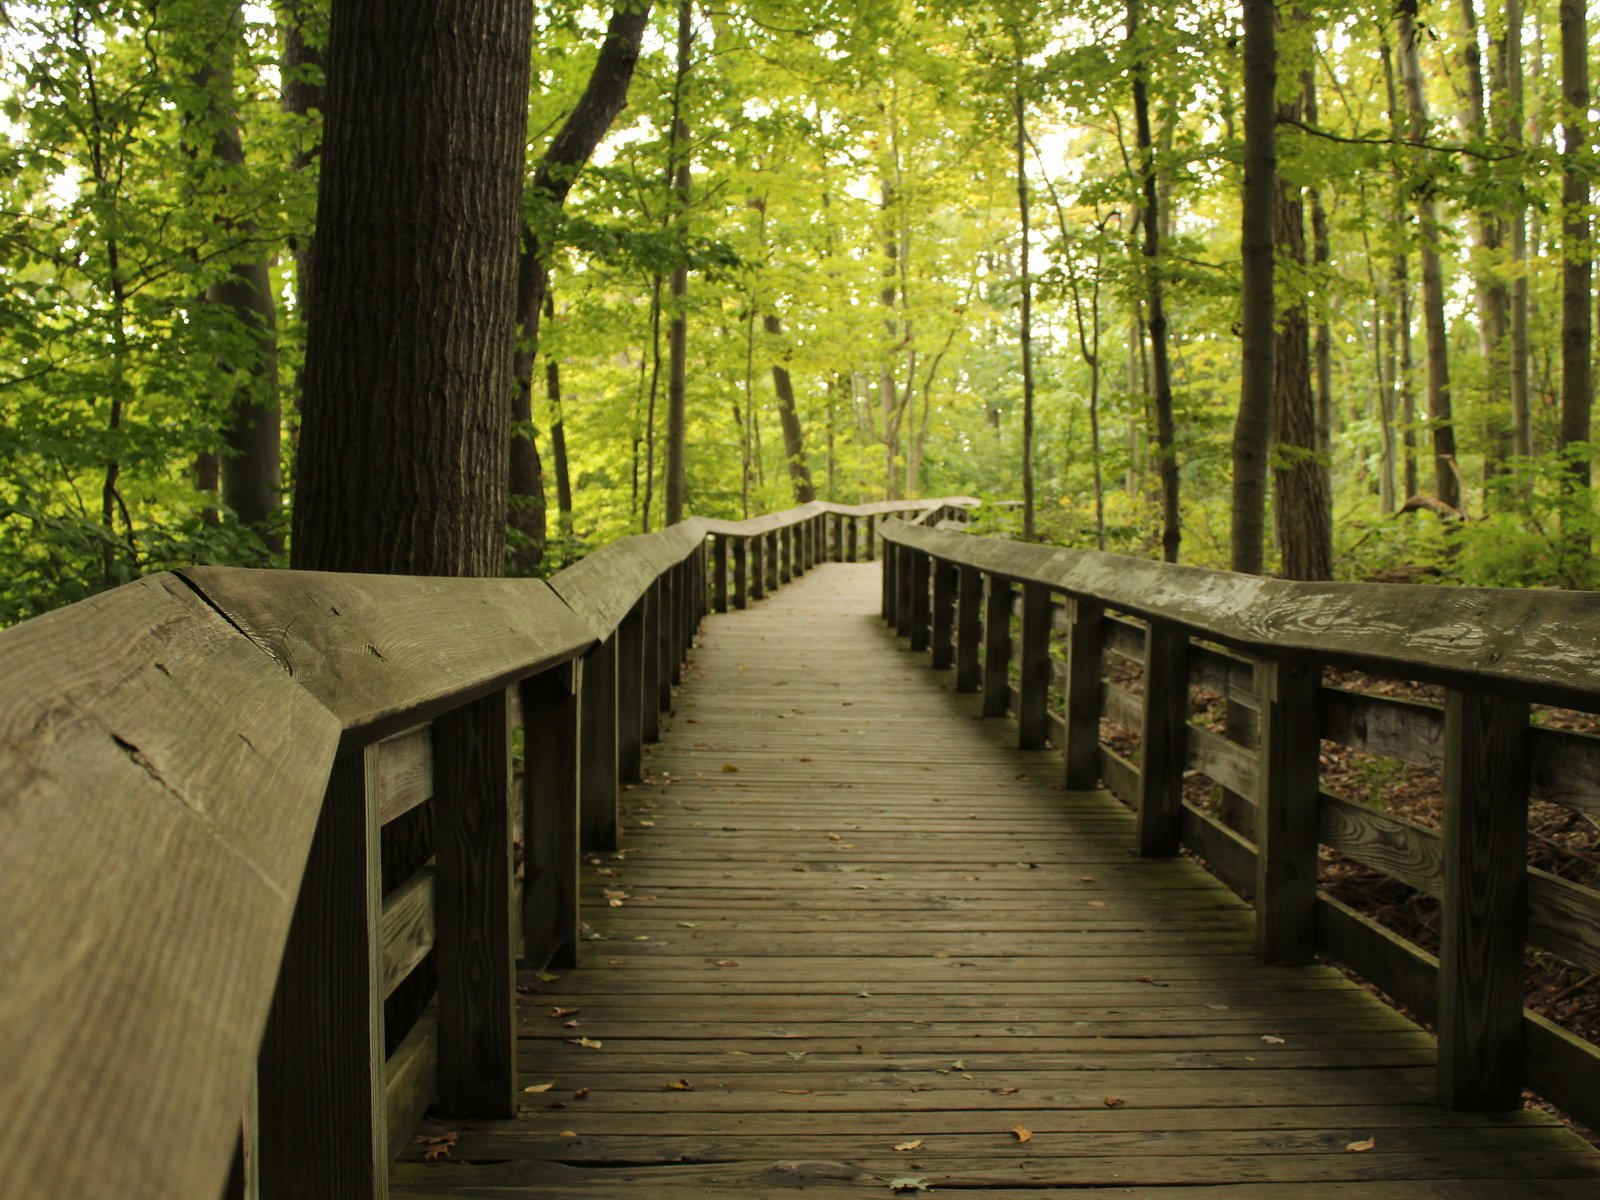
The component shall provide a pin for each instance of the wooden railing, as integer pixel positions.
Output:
(1262, 644)
(197, 775)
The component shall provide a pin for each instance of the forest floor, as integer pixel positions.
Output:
(1560, 840)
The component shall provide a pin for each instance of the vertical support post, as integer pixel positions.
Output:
(472, 899)
(1085, 671)
(650, 667)
(550, 787)
(838, 537)
(1288, 811)
(891, 559)
(872, 535)
(741, 573)
(1484, 905)
(944, 614)
(771, 540)
(322, 1112)
(758, 567)
(785, 554)
(969, 626)
(597, 810)
(680, 619)
(1034, 682)
(921, 570)
(852, 538)
(1165, 729)
(719, 574)
(997, 648)
(630, 695)
(666, 651)
(904, 588)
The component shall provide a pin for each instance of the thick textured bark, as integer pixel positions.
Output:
(1302, 510)
(1252, 428)
(1441, 418)
(794, 443)
(1577, 335)
(405, 431)
(604, 96)
(678, 333)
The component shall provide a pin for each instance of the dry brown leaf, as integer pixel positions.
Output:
(724, 962)
(438, 1146)
(1113, 1102)
(1005, 1091)
(586, 1043)
(1361, 1147)
(540, 1087)
(567, 1133)
(557, 1011)
(645, 824)
(795, 1091)
(1023, 1134)
(909, 1145)
(581, 1094)
(1273, 1039)
(679, 1085)
(730, 768)
(835, 837)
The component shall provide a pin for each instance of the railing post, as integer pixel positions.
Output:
(969, 627)
(785, 554)
(550, 786)
(1288, 811)
(472, 908)
(1085, 671)
(1034, 682)
(719, 574)
(683, 624)
(944, 614)
(997, 648)
(770, 540)
(872, 536)
(852, 539)
(758, 567)
(741, 573)
(904, 588)
(597, 810)
(630, 695)
(1483, 909)
(650, 666)
(921, 571)
(322, 1108)
(1162, 737)
(838, 537)
(666, 650)
(891, 561)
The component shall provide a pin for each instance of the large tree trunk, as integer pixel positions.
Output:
(1441, 418)
(603, 98)
(794, 444)
(404, 443)
(678, 334)
(1577, 386)
(1509, 57)
(1302, 511)
(1025, 282)
(1252, 428)
(1405, 399)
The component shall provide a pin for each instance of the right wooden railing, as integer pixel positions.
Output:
(1033, 628)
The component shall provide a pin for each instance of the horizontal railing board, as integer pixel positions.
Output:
(1537, 643)
(383, 652)
(405, 772)
(412, 1081)
(603, 586)
(407, 927)
(159, 785)
(1232, 857)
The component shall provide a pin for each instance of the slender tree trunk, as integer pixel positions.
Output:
(1025, 281)
(1403, 379)
(405, 438)
(650, 411)
(1441, 419)
(1322, 346)
(303, 31)
(794, 445)
(1160, 368)
(1510, 58)
(558, 429)
(678, 335)
(1577, 254)
(1251, 429)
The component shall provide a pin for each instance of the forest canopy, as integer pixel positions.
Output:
(795, 248)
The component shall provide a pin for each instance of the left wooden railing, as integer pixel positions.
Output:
(197, 774)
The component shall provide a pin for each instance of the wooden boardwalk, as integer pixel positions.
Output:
(856, 939)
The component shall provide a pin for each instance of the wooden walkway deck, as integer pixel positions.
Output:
(855, 939)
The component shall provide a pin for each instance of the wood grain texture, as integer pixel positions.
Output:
(472, 908)
(405, 772)
(384, 652)
(921, 582)
(550, 817)
(969, 628)
(1085, 671)
(1286, 812)
(412, 1081)
(1483, 911)
(322, 1109)
(160, 781)
(406, 928)
(943, 617)
(976, 951)
(650, 668)
(1034, 668)
(599, 739)
(1538, 643)
(997, 647)
(630, 695)
(1162, 739)
(604, 585)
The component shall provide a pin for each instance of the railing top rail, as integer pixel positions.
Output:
(1537, 643)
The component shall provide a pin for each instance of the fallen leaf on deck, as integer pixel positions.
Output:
(730, 768)
(679, 1085)
(1097, 904)
(604, 871)
(645, 824)
(567, 1133)
(1005, 1091)
(797, 1055)
(540, 1087)
(1113, 1102)
(547, 977)
(571, 1024)
(1361, 1147)
(835, 837)
(907, 1184)
(585, 1042)
(1023, 1134)
(724, 962)
(795, 1091)
(1147, 979)
(909, 1145)
(438, 1148)
(1273, 1040)
(1024, 775)
(581, 1094)
(688, 925)
(557, 1011)
(613, 903)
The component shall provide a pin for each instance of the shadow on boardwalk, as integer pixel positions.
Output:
(855, 937)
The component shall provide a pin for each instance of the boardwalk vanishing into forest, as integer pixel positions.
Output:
(853, 936)
(683, 875)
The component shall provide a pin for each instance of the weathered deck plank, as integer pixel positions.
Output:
(851, 916)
